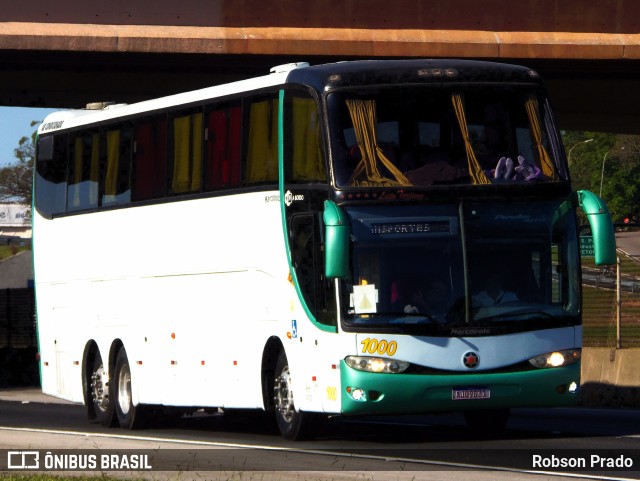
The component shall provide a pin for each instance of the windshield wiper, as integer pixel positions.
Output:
(525, 311)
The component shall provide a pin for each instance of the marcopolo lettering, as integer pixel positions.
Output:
(52, 125)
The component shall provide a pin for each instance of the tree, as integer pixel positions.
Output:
(620, 186)
(610, 160)
(16, 179)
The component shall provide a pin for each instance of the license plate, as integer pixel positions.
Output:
(468, 393)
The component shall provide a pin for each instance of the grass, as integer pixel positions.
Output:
(11, 250)
(628, 266)
(49, 477)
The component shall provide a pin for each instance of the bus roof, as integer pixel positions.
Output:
(393, 72)
(75, 118)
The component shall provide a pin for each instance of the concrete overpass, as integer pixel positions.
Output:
(64, 54)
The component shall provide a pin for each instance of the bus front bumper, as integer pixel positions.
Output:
(376, 393)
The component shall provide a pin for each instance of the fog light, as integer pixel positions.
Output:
(573, 387)
(357, 394)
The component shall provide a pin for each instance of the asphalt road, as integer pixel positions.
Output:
(416, 447)
(629, 242)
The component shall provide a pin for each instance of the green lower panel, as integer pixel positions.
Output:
(417, 393)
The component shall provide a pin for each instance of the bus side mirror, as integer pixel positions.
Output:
(604, 238)
(336, 241)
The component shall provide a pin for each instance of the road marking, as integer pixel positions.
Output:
(223, 445)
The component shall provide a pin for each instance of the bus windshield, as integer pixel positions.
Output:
(512, 266)
(433, 134)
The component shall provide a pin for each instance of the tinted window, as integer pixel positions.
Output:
(223, 148)
(51, 175)
(304, 152)
(117, 171)
(84, 170)
(150, 158)
(423, 136)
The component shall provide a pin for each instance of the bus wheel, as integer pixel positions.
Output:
(486, 424)
(291, 423)
(129, 416)
(99, 405)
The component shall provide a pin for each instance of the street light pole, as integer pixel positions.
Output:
(602, 172)
(574, 146)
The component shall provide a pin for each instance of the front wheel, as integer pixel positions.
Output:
(129, 416)
(293, 425)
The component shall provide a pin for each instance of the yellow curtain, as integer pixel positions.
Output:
(94, 170)
(308, 162)
(187, 153)
(180, 182)
(113, 158)
(196, 149)
(262, 149)
(475, 171)
(363, 117)
(536, 133)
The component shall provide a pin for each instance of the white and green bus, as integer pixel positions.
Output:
(358, 238)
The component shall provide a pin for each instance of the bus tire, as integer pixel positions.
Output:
(293, 424)
(98, 397)
(129, 416)
(487, 424)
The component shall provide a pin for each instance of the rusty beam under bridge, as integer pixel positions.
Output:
(66, 54)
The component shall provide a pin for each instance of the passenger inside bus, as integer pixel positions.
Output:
(493, 294)
(407, 297)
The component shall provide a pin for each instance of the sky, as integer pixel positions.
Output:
(15, 122)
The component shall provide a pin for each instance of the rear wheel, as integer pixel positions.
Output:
(98, 400)
(129, 416)
(293, 425)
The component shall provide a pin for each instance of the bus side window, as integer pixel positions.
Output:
(223, 147)
(51, 175)
(304, 152)
(261, 162)
(186, 152)
(308, 261)
(150, 158)
(83, 172)
(116, 178)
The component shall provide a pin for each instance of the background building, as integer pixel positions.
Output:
(15, 222)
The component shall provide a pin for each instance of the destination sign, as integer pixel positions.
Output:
(429, 227)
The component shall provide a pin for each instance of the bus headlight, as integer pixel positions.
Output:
(556, 358)
(376, 364)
